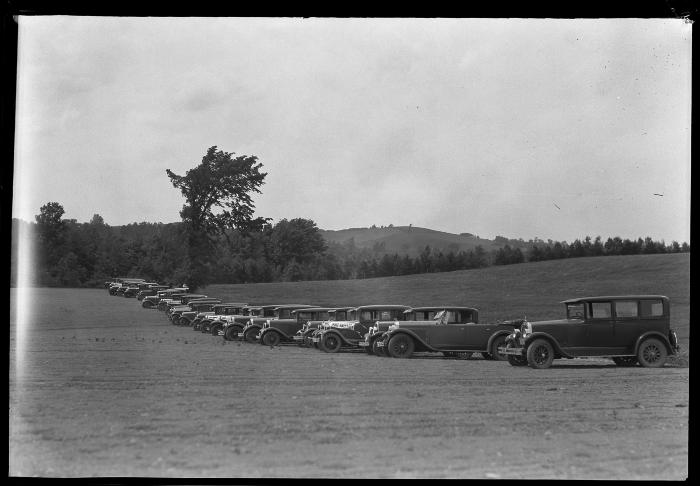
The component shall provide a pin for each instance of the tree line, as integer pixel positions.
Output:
(72, 254)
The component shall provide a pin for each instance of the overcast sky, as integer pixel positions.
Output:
(521, 128)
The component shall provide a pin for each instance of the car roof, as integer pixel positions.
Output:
(295, 306)
(440, 307)
(615, 297)
(382, 307)
(312, 309)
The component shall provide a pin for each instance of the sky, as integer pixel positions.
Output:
(522, 128)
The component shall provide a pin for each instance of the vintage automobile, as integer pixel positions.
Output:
(118, 288)
(150, 290)
(376, 332)
(254, 325)
(165, 304)
(275, 331)
(192, 307)
(630, 329)
(152, 301)
(213, 323)
(349, 334)
(219, 312)
(454, 331)
(134, 288)
(233, 325)
(304, 337)
(117, 282)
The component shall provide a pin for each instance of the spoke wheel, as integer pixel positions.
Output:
(540, 354)
(652, 353)
(401, 346)
(271, 338)
(231, 333)
(250, 334)
(331, 343)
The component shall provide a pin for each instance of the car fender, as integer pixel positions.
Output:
(655, 334)
(251, 326)
(555, 344)
(267, 330)
(389, 334)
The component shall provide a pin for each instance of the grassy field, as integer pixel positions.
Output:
(534, 290)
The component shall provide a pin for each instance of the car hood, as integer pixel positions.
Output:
(555, 322)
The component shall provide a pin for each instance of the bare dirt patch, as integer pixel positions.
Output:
(101, 387)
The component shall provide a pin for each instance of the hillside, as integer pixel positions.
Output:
(534, 290)
(408, 240)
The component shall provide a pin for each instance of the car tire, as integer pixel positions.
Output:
(652, 353)
(185, 322)
(540, 354)
(271, 338)
(229, 333)
(626, 361)
(250, 334)
(147, 304)
(401, 346)
(494, 354)
(215, 328)
(330, 343)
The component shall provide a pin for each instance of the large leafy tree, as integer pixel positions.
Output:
(218, 192)
(217, 198)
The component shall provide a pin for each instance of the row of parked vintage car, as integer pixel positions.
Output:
(630, 329)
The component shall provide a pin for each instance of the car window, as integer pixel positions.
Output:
(574, 311)
(601, 310)
(651, 308)
(385, 316)
(365, 316)
(626, 308)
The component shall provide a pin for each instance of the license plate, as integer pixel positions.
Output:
(380, 344)
(316, 340)
(363, 343)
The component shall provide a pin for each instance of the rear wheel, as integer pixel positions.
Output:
(401, 346)
(498, 342)
(185, 322)
(271, 338)
(652, 353)
(215, 328)
(331, 343)
(540, 354)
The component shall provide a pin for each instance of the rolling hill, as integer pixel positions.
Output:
(408, 240)
(533, 290)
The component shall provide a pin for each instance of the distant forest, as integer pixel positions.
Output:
(71, 254)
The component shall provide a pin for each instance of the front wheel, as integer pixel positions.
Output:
(215, 329)
(652, 353)
(540, 354)
(271, 338)
(401, 346)
(330, 343)
(250, 334)
(231, 333)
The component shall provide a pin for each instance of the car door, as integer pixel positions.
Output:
(598, 339)
(627, 323)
